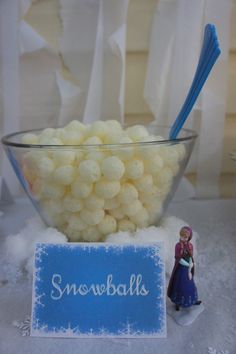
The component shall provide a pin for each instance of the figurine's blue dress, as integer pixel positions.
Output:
(182, 291)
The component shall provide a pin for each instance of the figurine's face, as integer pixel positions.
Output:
(184, 235)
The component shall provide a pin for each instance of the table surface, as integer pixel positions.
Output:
(214, 221)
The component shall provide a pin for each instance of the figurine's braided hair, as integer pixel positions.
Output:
(189, 245)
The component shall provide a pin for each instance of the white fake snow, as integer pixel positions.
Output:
(20, 247)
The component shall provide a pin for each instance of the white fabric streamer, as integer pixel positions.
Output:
(9, 78)
(211, 132)
(97, 60)
(70, 100)
(174, 50)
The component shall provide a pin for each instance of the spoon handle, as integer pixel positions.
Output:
(208, 56)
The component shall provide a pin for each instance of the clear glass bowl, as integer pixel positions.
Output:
(88, 207)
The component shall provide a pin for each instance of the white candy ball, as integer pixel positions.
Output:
(175, 168)
(59, 133)
(76, 125)
(89, 171)
(147, 151)
(74, 235)
(107, 225)
(170, 155)
(79, 156)
(134, 168)
(126, 225)
(53, 206)
(132, 208)
(137, 133)
(64, 175)
(72, 204)
(124, 152)
(112, 168)
(75, 222)
(153, 193)
(117, 213)
(99, 128)
(113, 137)
(55, 220)
(165, 188)
(127, 193)
(141, 218)
(107, 189)
(91, 234)
(32, 158)
(144, 183)
(165, 176)
(81, 189)
(115, 132)
(30, 139)
(93, 202)
(53, 190)
(93, 140)
(154, 206)
(72, 137)
(114, 125)
(50, 132)
(154, 165)
(181, 151)
(47, 140)
(92, 217)
(63, 157)
(45, 167)
(111, 203)
(96, 156)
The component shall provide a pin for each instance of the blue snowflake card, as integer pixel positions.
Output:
(99, 290)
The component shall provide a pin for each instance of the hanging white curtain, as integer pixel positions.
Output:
(92, 44)
(174, 50)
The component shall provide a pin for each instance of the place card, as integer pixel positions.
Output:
(99, 290)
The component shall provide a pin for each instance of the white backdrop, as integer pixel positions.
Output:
(92, 44)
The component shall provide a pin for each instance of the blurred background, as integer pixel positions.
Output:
(130, 60)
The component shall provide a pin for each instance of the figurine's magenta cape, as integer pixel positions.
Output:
(179, 250)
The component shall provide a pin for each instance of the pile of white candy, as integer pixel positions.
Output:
(91, 191)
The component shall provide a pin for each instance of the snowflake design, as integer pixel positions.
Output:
(103, 331)
(38, 301)
(36, 324)
(37, 274)
(69, 331)
(163, 326)
(23, 326)
(107, 248)
(40, 251)
(43, 329)
(127, 329)
(215, 351)
(156, 253)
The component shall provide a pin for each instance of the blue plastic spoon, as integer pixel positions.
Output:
(208, 56)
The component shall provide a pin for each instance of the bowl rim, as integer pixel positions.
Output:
(6, 140)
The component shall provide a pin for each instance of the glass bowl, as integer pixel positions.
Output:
(88, 191)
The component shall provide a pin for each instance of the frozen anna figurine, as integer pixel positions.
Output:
(182, 290)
